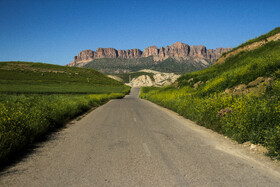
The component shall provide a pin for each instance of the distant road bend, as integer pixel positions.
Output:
(132, 142)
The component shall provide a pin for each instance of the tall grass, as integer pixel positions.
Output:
(23, 118)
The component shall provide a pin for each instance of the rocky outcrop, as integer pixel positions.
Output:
(155, 79)
(83, 57)
(106, 53)
(256, 87)
(130, 53)
(213, 55)
(176, 50)
(150, 51)
(198, 51)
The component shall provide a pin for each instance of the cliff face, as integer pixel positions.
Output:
(176, 50)
(150, 51)
(130, 53)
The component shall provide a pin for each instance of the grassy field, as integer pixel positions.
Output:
(24, 77)
(36, 98)
(239, 98)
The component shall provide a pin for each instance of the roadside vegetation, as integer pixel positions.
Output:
(36, 98)
(239, 98)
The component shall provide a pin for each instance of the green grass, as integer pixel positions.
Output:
(26, 77)
(247, 117)
(36, 98)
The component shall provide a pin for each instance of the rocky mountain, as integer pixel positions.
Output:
(176, 50)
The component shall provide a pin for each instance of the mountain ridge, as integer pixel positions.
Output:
(176, 51)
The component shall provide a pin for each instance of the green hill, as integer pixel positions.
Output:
(239, 97)
(239, 69)
(27, 77)
(260, 38)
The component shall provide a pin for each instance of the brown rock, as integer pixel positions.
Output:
(161, 53)
(134, 53)
(219, 51)
(150, 51)
(196, 85)
(106, 53)
(213, 55)
(130, 53)
(122, 54)
(256, 82)
(85, 55)
(177, 49)
(198, 51)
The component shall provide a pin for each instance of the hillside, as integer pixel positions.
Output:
(238, 97)
(27, 77)
(177, 58)
(119, 66)
(252, 44)
(242, 68)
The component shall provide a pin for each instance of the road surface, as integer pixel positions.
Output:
(132, 142)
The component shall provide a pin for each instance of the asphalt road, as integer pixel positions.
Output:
(132, 142)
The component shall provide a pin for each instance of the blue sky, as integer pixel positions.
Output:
(54, 31)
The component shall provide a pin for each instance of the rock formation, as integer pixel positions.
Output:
(106, 53)
(156, 78)
(176, 50)
(130, 53)
(150, 51)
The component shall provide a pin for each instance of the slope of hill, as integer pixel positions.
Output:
(178, 57)
(119, 66)
(252, 44)
(27, 77)
(239, 98)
